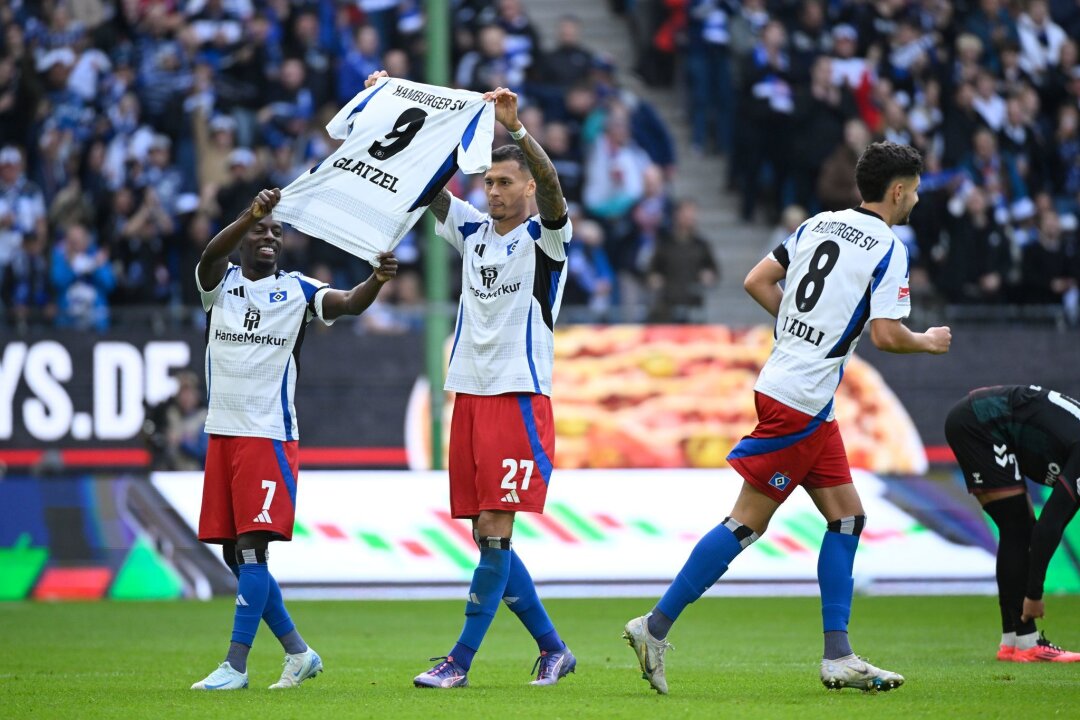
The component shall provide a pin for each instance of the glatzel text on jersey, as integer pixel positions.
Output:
(432, 101)
(842, 230)
(249, 337)
(367, 172)
(504, 289)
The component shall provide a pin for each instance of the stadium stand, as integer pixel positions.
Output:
(139, 126)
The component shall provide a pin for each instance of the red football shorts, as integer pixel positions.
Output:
(502, 448)
(249, 485)
(789, 448)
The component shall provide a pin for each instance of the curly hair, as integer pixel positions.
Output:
(882, 163)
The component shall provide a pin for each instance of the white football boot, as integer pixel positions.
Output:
(298, 668)
(854, 672)
(649, 651)
(224, 678)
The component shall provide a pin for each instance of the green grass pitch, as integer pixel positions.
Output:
(746, 658)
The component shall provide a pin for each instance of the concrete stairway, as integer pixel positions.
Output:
(737, 246)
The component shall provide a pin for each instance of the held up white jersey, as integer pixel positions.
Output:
(403, 142)
(843, 269)
(512, 287)
(254, 330)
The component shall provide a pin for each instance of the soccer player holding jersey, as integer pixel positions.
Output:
(841, 269)
(502, 437)
(1000, 435)
(256, 316)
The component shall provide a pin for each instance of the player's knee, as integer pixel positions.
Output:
(1012, 515)
(744, 534)
(849, 525)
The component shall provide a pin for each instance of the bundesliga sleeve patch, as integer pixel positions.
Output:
(904, 294)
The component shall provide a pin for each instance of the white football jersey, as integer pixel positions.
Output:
(843, 269)
(512, 287)
(254, 330)
(403, 142)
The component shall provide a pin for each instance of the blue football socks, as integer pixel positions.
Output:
(520, 596)
(251, 595)
(708, 561)
(835, 562)
(277, 617)
(488, 586)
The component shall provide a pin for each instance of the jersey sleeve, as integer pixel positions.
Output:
(208, 297)
(462, 220)
(314, 293)
(555, 237)
(891, 297)
(783, 252)
(338, 127)
(474, 150)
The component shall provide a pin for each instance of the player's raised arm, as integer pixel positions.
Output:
(215, 256)
(353, 302)
(549, 196)
(895, 337)
(763, 284)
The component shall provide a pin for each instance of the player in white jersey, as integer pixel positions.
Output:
(502, 436)
(841, 269)
(256, 315)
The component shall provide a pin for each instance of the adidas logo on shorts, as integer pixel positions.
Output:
(263, 517)
(511, 497)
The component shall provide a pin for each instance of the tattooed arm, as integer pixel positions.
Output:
(549, 197)
(440, 206)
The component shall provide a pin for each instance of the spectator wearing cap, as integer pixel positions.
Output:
(1041, 40)
(82, 279)
(66, 108)
(22, 205)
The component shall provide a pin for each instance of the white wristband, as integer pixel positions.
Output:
(519, 133)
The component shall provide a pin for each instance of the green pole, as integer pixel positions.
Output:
(436, 327)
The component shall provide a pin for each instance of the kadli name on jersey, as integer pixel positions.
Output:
(367, 172)
(803, 331)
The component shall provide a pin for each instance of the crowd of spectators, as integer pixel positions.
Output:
(791, 91)
(131, 131)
